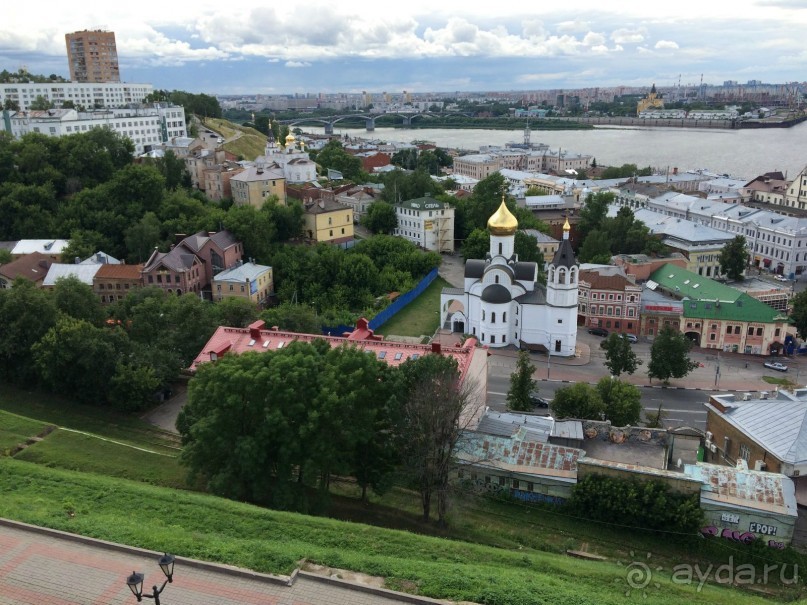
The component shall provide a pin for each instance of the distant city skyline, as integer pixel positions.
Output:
(249, 48)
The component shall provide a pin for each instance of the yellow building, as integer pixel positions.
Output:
(247, 280)
(328, 221)
(651, 101)
(255, 184)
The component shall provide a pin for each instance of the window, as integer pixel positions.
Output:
(493, 317)
(560, 321)
(712, 336)
(504, 316)
(745, 452)
(750, 331)
(493, 339)
(759, 331)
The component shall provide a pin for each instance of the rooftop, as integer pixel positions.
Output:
(84, 273)
(246, 271)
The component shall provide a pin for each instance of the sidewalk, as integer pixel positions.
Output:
(47, 567)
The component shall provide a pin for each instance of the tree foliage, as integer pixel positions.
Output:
(649, 504)
(734, 258)
(619, 355)
(334, 156)
(381, 218)
(579, 401)
(622, 401)
(522, 384)
(669, 355)
(799, 313)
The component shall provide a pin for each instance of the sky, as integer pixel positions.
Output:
(314, 46)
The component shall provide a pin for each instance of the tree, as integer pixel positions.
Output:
(596, 248)
(333, 155)
(77, 300)
(433, 404)
(40, 104)
(622, 401)
(619, 355)
(526, 246)
(669, 356)
(734, 258)
(579, 401)
(236, 312)
(293, 318)
(381, 218)
(594, 212)
(522, 384)
(142, 237)
(476, 245)
(799, 314)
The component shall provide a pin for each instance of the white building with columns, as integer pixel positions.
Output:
(502, 303)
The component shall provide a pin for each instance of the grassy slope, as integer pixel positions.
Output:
(421, 316)
(16, 429)
(214, 529)
(249, 145)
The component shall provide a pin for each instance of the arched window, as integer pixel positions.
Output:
(572, 275)
(493, 317)
(492, 339)
(497, 279)
(483, 316)
(500, 248)
(504, 316)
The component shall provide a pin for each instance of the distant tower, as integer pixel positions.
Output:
(561, 296)
(92, 56)
(652, 100)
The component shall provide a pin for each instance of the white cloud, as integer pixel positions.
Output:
(628, 36)
(297, 64)
(665, 45)
(594, 39)
(573, 27)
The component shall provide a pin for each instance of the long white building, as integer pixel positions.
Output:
(147, 127)
(88, 95)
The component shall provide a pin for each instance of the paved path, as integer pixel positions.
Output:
(53, 568)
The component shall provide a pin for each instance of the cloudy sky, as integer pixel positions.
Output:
(419, 45)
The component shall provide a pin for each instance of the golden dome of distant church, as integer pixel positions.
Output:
(289, 140)
(502, 222)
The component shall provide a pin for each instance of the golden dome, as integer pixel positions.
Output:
(567, 226)
(289, 139)
(502, 222)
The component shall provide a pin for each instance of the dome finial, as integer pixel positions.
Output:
(503, 222)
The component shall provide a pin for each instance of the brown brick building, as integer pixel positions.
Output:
(92, 56)
(113, 282)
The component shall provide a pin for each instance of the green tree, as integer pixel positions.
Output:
(77, 359)
(476, 245)
(235, 312)
(526, 246)
(522, 384)
(669, 356)
(381, 218)
(132, 387)
(619, 355)
(622, 401)
(293, 318)
(40, 104)
(334, 156)
(594, 212)
(433, 404)
(734, 258)
(799, 313)
(142, 237)
(596, 248)
(579, 401)
(173, 170)
(77, 300)
(26, 314)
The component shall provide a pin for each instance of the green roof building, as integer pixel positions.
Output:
(716, 316)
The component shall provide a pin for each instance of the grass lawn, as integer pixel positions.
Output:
(89, 453)
(777, 380)
(421, 316)
(214, 529)
(249, 145)
(50, 409)
(16, 429)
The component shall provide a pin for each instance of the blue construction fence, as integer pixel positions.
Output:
(389, 312)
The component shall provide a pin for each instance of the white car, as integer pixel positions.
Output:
(780, 278)
(775, 365)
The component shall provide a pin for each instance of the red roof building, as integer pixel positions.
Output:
(608, 300)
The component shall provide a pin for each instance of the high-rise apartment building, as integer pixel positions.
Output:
(92, 56)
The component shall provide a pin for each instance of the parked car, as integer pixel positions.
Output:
(631, 338)
(598, 331)
(537, 401)
(780, 278)
(775, 365)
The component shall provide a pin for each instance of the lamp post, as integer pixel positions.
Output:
(135, 581)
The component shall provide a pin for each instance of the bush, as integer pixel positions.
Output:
(648, 504)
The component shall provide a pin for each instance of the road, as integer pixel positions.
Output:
(682, 407)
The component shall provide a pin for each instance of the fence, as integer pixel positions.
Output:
(389, 312)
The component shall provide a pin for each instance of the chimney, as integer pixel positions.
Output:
(179, 237)
(255, 329)
(436, 348)
(675, 170)
(77, 260)
(99, 257)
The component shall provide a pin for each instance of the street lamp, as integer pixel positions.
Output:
(135, 581)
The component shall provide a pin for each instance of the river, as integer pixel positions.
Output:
(741, 153)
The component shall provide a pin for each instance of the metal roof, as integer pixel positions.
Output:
(769, 492)
(84, 273)
(247, 271)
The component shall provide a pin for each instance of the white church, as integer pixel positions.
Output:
(502, 302)
(292, 159)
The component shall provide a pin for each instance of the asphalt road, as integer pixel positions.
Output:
(682, 408)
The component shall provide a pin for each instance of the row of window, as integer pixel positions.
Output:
(609, 311)
(602, 296)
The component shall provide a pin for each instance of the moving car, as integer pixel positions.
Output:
(775, 365)
(537, 401)
(780, 278)
(598, 331)
(631, 338)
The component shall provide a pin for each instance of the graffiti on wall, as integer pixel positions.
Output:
(747, 537)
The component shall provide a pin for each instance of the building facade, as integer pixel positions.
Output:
(609, 300)
(92, 56)
(426, 223)
(502, 302)
(113, 282)
(328, 221)
(254, 185)
(249, 281)
(81, 94)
